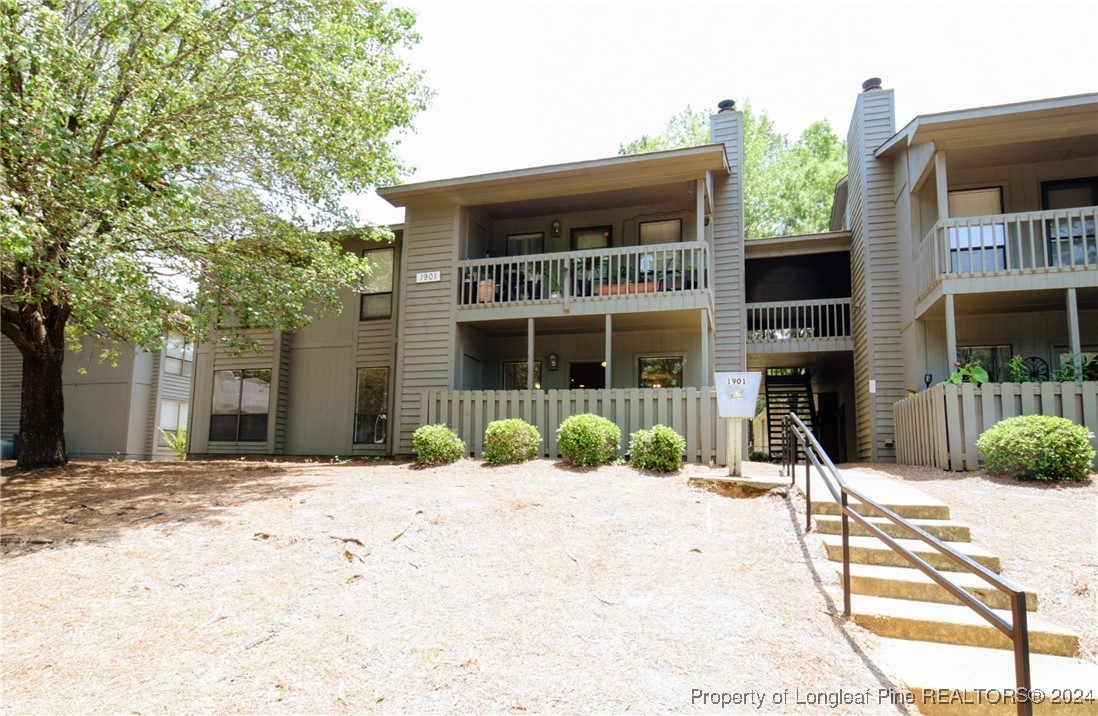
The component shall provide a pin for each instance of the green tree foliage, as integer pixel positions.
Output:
(148, 148)
(788, 186)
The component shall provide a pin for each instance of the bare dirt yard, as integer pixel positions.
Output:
(256, 587)
(235, 587)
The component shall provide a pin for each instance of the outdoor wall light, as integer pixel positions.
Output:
(555, 229)
(927, 378)
(552, 361)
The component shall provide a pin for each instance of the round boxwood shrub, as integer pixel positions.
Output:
(437, 445)
(588, 439)
(1037, 447)
(659, 448)
(511, 440)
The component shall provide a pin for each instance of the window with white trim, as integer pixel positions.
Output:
(173, 418)
(178, 355)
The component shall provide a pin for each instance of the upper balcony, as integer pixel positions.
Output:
(1037, 249)
(654, 277)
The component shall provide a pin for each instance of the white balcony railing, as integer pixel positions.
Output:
(798, 320)
(1004, 244)
(584, 275)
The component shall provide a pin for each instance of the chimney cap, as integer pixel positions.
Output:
(871, 84)
(726, 105)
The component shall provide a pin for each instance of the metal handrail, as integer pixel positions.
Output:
(1018, 632)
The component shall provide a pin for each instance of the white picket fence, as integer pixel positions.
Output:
(939, 426)
(691, 412)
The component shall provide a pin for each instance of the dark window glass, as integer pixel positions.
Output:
(371, 405)
(241, 402)
(514, 375)
(662, 372)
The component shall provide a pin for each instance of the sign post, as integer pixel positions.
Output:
(736, 397)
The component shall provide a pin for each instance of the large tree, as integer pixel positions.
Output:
(788, 186)
(149, 147)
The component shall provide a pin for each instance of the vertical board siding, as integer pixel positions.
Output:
(691, 412)
(939, 427)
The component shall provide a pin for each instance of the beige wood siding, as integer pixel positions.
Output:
(730, 339)
(425, 359)
(11, 386)
(875, 275)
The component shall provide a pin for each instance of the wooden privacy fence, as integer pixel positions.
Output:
(939, 426)
(691, 412)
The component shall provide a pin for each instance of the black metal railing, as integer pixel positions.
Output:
(1017, 632)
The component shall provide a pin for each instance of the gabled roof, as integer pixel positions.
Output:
(599, 175)
(1037, 120)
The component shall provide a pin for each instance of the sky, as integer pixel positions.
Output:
(523, 84)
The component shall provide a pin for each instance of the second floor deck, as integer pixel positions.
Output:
(630, 278)
(1037, 249)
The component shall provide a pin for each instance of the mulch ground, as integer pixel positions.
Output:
(230, 587)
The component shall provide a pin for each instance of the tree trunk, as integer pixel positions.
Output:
(39, 334)
(42, 416)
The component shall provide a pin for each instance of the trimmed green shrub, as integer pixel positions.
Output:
(511, 440)
(659, 448)
(588, 439)
(758, 456)
(437, 445)
(1037, 447)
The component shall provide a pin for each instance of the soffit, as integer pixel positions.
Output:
(600, 176)
(1037, 126)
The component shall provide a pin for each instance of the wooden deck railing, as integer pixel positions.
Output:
(1004, 244)
(691, 412)
(790, 320)
(584, 275)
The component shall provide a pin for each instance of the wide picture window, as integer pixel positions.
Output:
(241, 402)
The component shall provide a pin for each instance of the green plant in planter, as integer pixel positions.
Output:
(1018, 371)
(971, 372)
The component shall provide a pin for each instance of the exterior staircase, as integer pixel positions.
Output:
(943, 651)
(788, 390)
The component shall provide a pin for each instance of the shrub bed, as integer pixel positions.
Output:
(659, 448)
(437, 445)
(509, 441)
(588, 439)
(1037, 447)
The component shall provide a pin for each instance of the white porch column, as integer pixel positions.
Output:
(609, 339)
(1073, 324)
(951, 334)
(529, 353)
(699, 209)
(704, 364)
(942, 183)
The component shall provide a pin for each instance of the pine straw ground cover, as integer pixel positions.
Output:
(277, 587)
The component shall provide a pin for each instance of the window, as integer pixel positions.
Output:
(525, 244)
(1081, 367)
(178, 355)
(1071, 238)
(668, 231)
(591, 237)
(241, 399)
(173, 417)
(371, 405)
(377, 300)
(994, 359)
(660, 372)
(981, 246)
(514, 375)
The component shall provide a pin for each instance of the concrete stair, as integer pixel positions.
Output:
(911, 584)
(928, 638)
